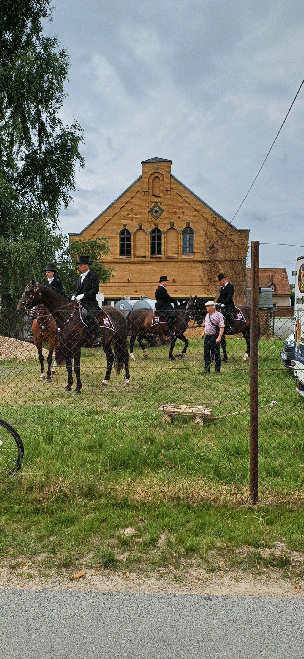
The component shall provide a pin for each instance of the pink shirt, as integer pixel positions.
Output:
(217, 319)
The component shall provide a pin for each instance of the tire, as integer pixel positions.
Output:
(11, 450)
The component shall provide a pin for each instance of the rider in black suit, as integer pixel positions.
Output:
(51, 281)
(226, 299)
(164, 304)
(86, 290)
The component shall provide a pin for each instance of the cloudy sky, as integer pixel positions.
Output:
(204, 83)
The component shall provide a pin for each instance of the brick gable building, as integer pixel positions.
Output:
(159, 227)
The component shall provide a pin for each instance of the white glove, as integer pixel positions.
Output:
(73, 297)
(222, 305)
(79, 297)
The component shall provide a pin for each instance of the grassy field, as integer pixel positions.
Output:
(107, 484)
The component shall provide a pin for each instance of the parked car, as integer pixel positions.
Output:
(288, 351)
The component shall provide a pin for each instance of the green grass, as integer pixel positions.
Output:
(103, 462)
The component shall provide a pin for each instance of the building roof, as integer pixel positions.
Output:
(276, 277)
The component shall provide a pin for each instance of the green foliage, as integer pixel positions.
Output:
(38, 153)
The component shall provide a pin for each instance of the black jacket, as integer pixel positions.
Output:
(56, 284)
(90, 288)
(226, 296)
(163, 299)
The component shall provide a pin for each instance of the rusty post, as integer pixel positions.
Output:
(254, 342)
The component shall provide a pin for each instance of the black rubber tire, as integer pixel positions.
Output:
(17, 453)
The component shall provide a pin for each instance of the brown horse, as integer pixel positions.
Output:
(197, 312)
(44, 330)
(144, 322)
(72, 329)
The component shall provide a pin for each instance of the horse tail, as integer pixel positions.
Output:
(121, 354)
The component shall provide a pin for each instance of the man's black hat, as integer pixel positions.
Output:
(83, 260)
(164, 278)
(221, 276)
(51, 267)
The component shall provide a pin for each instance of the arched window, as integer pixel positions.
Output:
(188, 241)
(125, 243)
(156, 242)
(156, 186)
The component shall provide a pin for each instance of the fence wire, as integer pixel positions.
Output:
(217, 446)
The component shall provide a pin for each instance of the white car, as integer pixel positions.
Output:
(288, 351)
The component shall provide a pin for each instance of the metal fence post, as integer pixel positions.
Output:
(254, 341)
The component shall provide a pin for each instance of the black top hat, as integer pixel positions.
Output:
(83, 260)
(221, 276)
(50, 267)
(164, 278)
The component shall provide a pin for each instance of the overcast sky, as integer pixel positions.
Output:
(204, 83)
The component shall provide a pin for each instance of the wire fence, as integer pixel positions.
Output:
(156, 383)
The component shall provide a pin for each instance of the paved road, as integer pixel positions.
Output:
(86, 625)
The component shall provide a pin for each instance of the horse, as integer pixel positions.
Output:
(44, 330)
(197, 312)
(146, 322)
(72, 331)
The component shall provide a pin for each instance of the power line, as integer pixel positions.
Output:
(263, 163)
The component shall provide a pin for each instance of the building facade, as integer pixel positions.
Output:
(160, 227)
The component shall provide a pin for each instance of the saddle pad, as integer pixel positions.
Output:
(106, 322)
(240, 316)
(156, 319)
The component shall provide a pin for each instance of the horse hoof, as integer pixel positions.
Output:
(132, 356)
(68, 388)
(76, 392)
(42, 376)
(246, 356)
(225, 360)
(127, 382)
(47, 380)
(182, 355)
(53, 371)
(105, 383)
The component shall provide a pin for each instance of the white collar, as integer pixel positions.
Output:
(50, 280)
(83, 275)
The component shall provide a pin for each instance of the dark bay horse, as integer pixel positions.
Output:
(197, 312)
(44, 330)
(144, 322)
(72, 331)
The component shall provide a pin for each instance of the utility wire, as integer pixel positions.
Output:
(263, 163)
(275, 139)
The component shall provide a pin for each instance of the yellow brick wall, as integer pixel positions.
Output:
(218, 246)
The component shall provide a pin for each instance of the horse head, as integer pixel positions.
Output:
(31, 297)
(196, 309)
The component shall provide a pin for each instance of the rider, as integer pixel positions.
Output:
(51, 281)
(226, 301)
(164, 304)
(86, 290)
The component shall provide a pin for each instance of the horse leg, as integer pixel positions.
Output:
(172, 344)
(49, 363)
(41, 360)
(110, 362)
(246, 335)
(142, 345)
(68, 365)
(186, 342)
(132, 341)
(77, 373)
(223, 346)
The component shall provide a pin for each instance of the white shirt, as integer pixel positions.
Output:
(83, 275)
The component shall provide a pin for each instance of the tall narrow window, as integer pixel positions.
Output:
(188, 241)
(125, 243)
(156, 186)
(156, 242)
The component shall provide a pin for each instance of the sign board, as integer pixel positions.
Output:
(265, 298)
